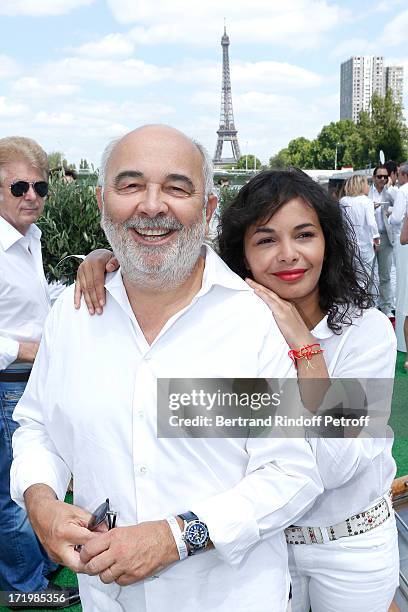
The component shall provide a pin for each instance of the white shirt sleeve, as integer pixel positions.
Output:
(281, 481)
(8, 351)
(370, 221)
(368, 353)
(36, 459)
(399, 210)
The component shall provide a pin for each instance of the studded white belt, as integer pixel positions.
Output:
(359, 523)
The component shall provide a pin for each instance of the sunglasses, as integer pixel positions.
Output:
(20, 188)
(382, 177)
(102, 514)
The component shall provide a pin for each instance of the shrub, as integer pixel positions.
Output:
(70, 225)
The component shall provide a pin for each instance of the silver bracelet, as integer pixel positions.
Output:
(178, 537)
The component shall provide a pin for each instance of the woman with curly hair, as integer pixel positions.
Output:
(287, 237)
(290, 241)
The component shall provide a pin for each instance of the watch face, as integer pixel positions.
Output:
(196, 534)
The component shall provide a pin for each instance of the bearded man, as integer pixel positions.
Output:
(172, 310)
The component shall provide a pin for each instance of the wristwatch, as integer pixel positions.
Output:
(195, 533)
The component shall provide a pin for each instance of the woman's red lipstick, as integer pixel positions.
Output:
(290, 275)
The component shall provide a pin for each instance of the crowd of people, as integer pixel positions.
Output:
(377, 214)
(207, 523)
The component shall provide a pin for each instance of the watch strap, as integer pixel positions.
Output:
(189, 516)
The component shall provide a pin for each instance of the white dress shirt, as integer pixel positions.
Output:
(355, 472)
(90, 408)
(400, 208)
(24, 299)
(360, 210)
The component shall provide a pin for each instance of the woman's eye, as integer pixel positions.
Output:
(265, 241)
(306, 235)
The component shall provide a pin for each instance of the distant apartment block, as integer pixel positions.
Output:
(394, 80)
(360, 77)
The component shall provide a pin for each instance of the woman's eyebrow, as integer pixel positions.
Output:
(270, 230)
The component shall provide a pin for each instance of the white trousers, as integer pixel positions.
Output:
(353, 574)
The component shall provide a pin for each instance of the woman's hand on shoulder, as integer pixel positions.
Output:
(90, 280)
(286, 315)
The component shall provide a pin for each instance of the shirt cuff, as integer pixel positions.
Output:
(231, 524)
(8, 352)
(24, 474)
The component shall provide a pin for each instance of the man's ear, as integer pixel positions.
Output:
(210, 207)
(99, 197)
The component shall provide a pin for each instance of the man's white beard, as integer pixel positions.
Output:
(159, 267)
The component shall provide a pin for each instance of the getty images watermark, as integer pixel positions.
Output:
(208, 408)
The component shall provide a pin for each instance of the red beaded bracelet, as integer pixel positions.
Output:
(305, 352)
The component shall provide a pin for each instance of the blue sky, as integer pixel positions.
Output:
(76, 73)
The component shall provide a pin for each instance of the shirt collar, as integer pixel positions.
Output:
(216, 272)
(9, 235)
(322, 331)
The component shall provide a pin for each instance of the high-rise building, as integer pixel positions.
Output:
(394, 80)
(360, 77)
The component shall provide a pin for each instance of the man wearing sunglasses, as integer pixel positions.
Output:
(383, 202)
(199, 521)
(24, 305)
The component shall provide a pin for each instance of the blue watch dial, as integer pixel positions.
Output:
(196, 534)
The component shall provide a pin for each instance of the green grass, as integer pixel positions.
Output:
(400, 451)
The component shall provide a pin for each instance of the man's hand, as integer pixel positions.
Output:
(90, 281)
(128, 554)
(59, 526)
(27, 351)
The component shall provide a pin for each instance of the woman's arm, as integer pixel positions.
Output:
(90, 280)
(297, 335)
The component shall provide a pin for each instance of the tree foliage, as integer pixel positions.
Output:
(357, 144)
(248, 162)
(70, 225)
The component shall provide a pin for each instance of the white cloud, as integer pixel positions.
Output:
(8, 67)
(128, 73)
(294, 23)
(111, 45)
(354, 46)
(273, 75)
(40, 8)
(33, 87)
(12, 109)
(395, 32)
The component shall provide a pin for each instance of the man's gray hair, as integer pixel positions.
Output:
(404, 167)
(207, 166)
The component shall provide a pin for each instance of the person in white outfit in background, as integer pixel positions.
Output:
(396, 218)
(360, 211)
(383, 202)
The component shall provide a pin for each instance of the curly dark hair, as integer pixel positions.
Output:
(344, 283)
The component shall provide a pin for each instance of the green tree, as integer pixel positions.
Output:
(389, 129)
(249, 162)
(280, 160)
(70, 225)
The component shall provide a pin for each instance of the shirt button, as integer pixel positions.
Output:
(143, 469)
(140, 414)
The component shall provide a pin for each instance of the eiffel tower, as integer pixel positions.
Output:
(226, 132)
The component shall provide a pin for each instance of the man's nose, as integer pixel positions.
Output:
(31, 194)
(152, 201)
